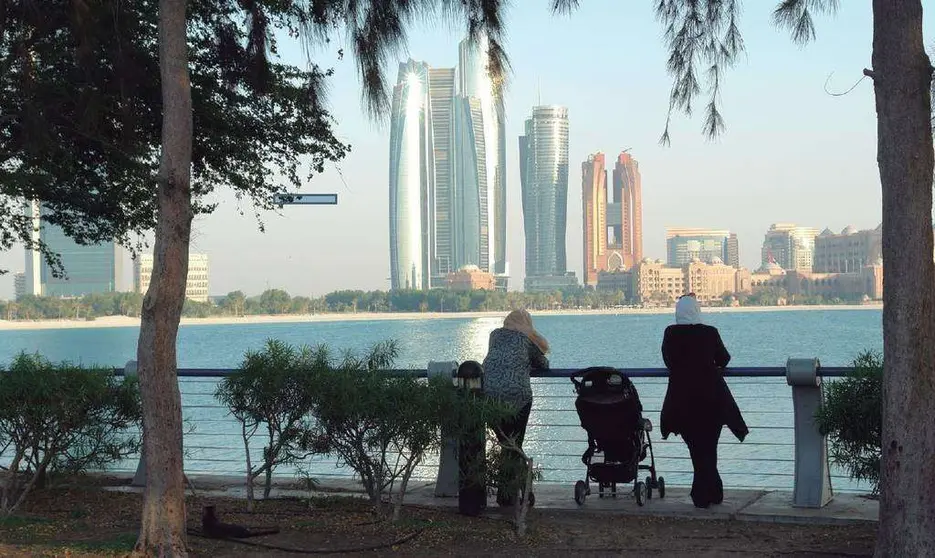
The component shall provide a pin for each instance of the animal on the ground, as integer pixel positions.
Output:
(212, 527)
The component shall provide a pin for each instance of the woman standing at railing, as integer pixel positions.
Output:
(698, 403)
(515, 350)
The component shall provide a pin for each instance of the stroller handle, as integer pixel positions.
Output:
(596, 374)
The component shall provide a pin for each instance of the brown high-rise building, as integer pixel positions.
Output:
(628, 193)
(613, 225)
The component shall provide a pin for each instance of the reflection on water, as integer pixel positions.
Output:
(754, 339)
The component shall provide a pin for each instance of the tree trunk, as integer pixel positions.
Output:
(902, 77)
(162, 529)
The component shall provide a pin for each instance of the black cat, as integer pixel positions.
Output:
(212, 527)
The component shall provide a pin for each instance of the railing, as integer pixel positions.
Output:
(782, 452)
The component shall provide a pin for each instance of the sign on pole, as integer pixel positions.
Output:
(305, 199)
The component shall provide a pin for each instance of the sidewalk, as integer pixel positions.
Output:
(742, 505)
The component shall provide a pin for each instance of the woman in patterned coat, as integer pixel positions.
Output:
(515, 350)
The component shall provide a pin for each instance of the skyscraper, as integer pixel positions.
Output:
(442, 198)
(447, 171)
(733, 251)
(543, 159)
(412, 179)
(594, 217)
(613, 228)
(484, 107)
(89, 269)
(628, 233)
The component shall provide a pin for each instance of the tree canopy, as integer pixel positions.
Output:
(81, 109)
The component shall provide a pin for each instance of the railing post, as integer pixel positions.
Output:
(130, 370)
(446, 482)
(812, 484)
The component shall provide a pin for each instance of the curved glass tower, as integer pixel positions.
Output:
(482, 117)
(411, 177)
(543, 156)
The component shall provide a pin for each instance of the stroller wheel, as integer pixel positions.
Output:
(641, 489)
(661, 487)
(649, 488)
(581, 492)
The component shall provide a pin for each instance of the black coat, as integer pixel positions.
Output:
(697, 394)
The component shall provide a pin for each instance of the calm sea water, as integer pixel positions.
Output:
(555, 438)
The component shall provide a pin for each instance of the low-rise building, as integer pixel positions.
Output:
(196, 286)
(848, 252)
(550, 283)
(19, 285)
(470, 278)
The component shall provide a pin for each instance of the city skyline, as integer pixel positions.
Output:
(764, 169)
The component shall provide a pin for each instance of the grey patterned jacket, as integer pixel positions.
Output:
(511, 356)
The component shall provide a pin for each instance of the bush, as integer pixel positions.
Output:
(852, 417)
(62, 418)
(378, 425)
(271, 391)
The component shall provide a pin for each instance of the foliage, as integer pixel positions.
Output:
(62, 417)
(82, 114)
(270, 391)
(278, 301)
(382, 426)
(852, 417)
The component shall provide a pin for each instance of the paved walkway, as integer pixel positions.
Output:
(744, 505)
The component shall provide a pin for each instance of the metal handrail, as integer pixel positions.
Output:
(733, 372)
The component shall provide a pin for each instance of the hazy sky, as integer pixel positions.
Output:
(792, 152)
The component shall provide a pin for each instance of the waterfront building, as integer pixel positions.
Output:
(447, 171)
(196, 284)
(471, 278)
(683, 245)
(733, 251)
(849, 251)
(543, 159)
(790, 246)
(88, 269)
(612, 217)
(19, 285)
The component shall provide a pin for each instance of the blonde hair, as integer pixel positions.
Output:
(521, 321)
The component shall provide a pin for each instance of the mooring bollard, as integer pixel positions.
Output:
(130, 370)
(812, 484)
(446, 482)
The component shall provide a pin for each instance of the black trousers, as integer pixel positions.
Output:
(707, 487)
(515, 428)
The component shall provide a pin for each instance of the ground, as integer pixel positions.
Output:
(82, 520)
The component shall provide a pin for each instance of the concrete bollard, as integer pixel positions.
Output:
(812, 484)
(446, 483)
(131, 370)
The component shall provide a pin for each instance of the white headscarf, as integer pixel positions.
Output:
(687, 311)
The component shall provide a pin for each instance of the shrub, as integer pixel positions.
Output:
(62, 418)
(852, 417)
(270, 394)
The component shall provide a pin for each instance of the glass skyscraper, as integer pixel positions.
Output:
(482, 113)
(411, 178)
(543, 159)
(447, 169)
(90, 269)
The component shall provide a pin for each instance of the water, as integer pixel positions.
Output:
(555, 438)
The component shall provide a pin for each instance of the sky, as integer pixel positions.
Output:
(792, 152)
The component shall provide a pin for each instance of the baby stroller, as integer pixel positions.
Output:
(611, 413)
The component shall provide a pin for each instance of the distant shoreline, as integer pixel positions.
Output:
(125, 321)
